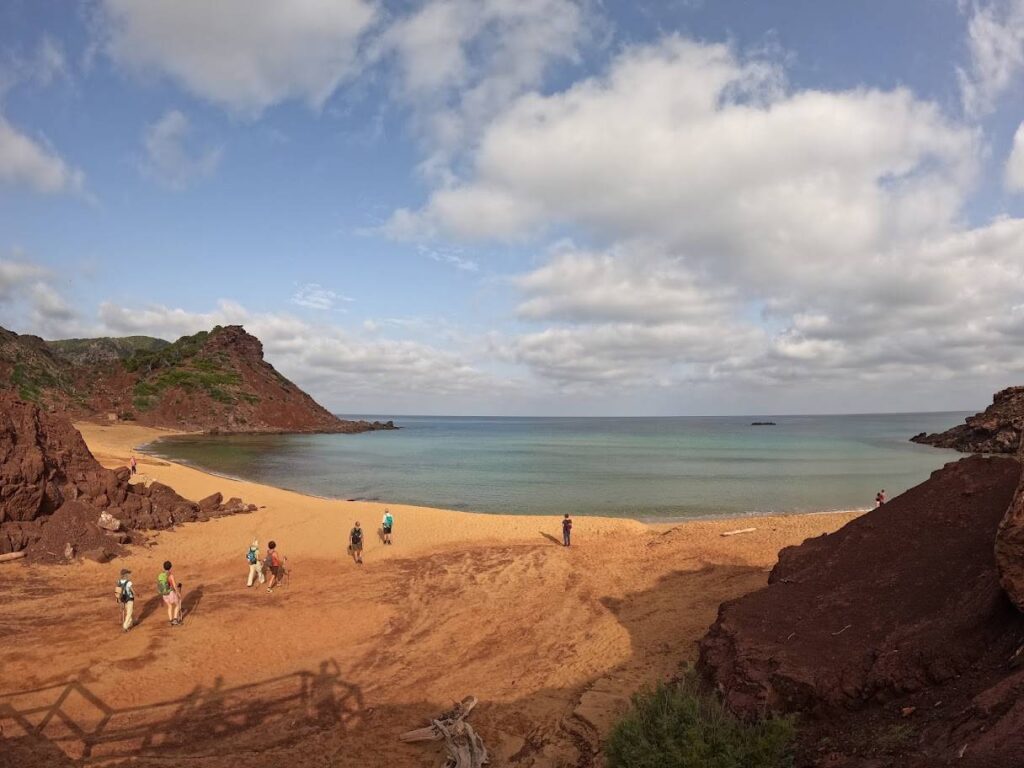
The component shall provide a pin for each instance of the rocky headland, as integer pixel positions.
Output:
(212, 381)
(997, 429)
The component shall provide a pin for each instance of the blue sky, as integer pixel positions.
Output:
(533, 207)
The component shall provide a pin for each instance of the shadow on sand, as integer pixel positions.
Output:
(317, 718)
(68, 724)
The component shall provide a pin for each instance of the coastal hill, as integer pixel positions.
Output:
(997, 429)
(213, 381)
(895, 636)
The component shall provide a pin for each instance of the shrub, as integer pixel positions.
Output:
(676, 725)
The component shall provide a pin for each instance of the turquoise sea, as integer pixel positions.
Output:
(647, 468)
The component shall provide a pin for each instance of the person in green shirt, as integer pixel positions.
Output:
(386, 525)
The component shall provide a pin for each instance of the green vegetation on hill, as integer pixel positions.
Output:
(186, 365)
(185, 348)
(677, 725)
(103, 349)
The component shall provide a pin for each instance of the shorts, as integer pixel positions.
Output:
(275, 570)
(387, 528)
(171, 599)
(356, 547)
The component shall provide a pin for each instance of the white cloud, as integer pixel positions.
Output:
(315, 296)
(27, 294)
(245, 55)
(1014, 175)
(168, 158)
(25, 161)
(995, 39)
(686, 143)
(459, 61)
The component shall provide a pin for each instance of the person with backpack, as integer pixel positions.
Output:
(169, 590)
(355, 543)
(274, 563)
(386, 525)
(566, 530)
(255, 565)
(124, 592)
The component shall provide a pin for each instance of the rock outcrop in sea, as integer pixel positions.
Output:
(893, 637)
(58, 502)
(997, 429)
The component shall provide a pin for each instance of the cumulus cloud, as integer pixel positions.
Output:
(27, 293)
(27, 162)
(169, 157)
(245, 55)
(944, 307)
(995, 40)
(689, 144)
(459, 61)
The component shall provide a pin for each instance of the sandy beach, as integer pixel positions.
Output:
(330, 669)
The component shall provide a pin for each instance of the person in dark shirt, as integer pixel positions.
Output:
(355, 543)
(566, 530)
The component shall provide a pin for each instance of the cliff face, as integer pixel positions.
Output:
(212, 381)
(995, 430)
(895, 624)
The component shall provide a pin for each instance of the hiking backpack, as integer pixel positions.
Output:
(124, 594)
(251, 556)
(163, 586)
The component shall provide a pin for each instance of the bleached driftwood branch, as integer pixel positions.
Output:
(465, 747)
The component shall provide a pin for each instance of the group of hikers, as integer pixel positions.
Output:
(169, 589)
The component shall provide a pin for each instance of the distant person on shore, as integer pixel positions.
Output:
(133, 465)
(566, 530)
(355, 543)
(275, 564)
(169, 590)
(255, 565)
(386, 525)
(880, 498)
(125, 594)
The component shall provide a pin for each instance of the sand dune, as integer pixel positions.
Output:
(330, 669)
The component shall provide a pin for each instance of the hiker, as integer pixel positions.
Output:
(355, 544)
(386, 525)
(273, 563)
(134, 465)
(255, 566)
(124, 592)
(169, 590)
(880, 498)
(566, 529)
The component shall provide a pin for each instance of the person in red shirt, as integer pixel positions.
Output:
(275, 564)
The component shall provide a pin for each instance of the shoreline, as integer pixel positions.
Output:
(145, 449)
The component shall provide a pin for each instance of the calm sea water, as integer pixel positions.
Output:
(648, 468)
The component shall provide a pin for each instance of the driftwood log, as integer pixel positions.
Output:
(13, 556)
(464, 746)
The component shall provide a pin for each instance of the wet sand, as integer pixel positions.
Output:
(332, 667)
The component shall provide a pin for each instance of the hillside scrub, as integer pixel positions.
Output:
(677, 725)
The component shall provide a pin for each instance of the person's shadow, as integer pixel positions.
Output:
(148, 608)
(551, 538)
(190, 604)
(380, 534)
